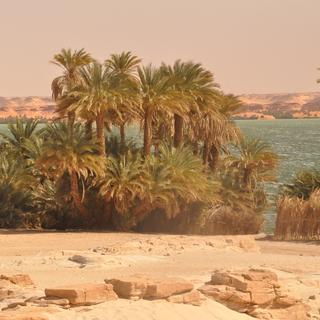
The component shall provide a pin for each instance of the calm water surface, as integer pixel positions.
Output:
(296, 142)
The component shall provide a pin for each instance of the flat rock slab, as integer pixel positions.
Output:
(149, 288)
(83, 294)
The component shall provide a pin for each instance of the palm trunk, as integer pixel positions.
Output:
(246, 179)
(214, 157)
(178, 130)
(71, 120)
(74, 190)
(205, 154)
(195, 148)
(122, 135)
(89, 129)
(100, 133)
(147, 138)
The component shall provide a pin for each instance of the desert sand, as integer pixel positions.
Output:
(60, 258)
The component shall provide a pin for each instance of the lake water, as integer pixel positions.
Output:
(295, 141)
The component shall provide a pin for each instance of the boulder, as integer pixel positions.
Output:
(193, 297)
(149, 288)
(83, 294)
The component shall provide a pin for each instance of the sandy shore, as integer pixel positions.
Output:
(48, 257)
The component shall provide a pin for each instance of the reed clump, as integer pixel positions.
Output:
(298, 218)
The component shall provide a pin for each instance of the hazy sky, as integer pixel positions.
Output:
(253, 46)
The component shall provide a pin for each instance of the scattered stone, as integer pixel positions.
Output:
(83, 294)
(148, 288)
(83, 260)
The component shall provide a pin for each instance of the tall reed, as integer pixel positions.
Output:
(298, 219)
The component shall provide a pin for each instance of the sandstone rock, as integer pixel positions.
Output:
(248, 244)
(28, 313)
(296, 312)
(22, 280)
(163, 288)
(230, 297)
(255, 292)
(259, 283)
(193, 297)
(7, 288)
(287, 301)
(260, 275)
(148, 288)
(128, 287)
(83, 294)
(13, 304)
(54, 301)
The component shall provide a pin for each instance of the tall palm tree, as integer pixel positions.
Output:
(123, 66)
(253, 162)
(193, 82)
(99, 94)
(71, 63)
(157, 95)
(71, 153)
(226, 133)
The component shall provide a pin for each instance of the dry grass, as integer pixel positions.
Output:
(298, 219)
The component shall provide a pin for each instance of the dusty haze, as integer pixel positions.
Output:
(252, 46)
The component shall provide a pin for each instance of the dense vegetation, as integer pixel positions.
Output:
(191, 172)
(298, 208)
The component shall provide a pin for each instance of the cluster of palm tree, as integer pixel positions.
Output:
(76, 171)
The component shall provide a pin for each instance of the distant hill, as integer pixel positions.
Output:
(279, 106)
(29, 107)
(255, 106)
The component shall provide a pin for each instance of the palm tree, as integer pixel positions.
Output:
(71, 153)
(71, 63)
(124, 67)
(157, 95)
(226, 133)
(169, 182)
(20, 133)
(174, 179)
(99, 94)
(123, 182)
(15, 189)
(193, 82)
(253, 162)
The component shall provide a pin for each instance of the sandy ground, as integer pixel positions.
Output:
(67, 258)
